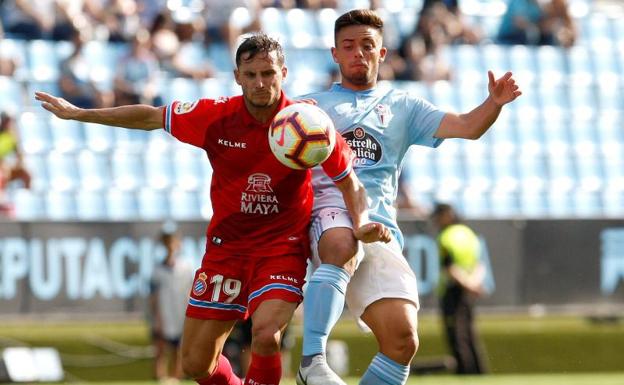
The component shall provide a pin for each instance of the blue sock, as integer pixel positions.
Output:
(322, 306)
(384, 371)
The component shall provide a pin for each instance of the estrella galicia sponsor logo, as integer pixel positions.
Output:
(366, 148)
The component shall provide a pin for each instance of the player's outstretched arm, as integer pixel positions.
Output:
(476, 122)
(354, 195)
(138, 116)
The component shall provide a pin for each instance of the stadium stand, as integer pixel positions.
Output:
(556, 152)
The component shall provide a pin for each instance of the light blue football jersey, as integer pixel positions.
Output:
(379, 125)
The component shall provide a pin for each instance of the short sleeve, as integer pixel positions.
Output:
(338, 165)
(423, 121)
(189, 121)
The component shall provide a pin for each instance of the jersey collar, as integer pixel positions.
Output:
(337, 87)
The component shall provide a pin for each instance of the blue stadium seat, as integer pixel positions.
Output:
(505, 203)
(588, 168)
(131, 140)
(63, 171)
(34, 133)
(444, 96)
(477, 165)
(38, 168)
(185, 204)
(182, 89)
(613, 203)
(303, 29)
(274, 24)
(16, 50)
(159, 173)
(153, 204)
(220, 56)
(325, 20)
(472, 204)
(559, 202)
(12, 95)
(67, 135)
(91, 205)
(103, 59)
(29, 205)
(468, 59)
(205, 205)
(127, 170)
(610, 97)
(60, 205)
(496, 58)
(99, 138)
(214, 88)
(586, 203)
(533, 203)
(43, 61)
(551, 65)
(122, 205)
(187, 165)
(419, 170)
(94, 170)
(581, 65)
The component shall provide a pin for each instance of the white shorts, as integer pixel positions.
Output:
(383, 271)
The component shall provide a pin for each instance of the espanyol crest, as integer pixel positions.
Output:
(200, 285)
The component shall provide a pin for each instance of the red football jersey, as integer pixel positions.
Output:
(260, 206)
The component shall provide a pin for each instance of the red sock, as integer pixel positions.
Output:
(264, 370)
(223, 375)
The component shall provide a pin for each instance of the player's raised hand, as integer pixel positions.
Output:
(372, 232)
(504, 89)
(58, 106)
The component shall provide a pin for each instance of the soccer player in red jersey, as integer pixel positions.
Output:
(257, 240)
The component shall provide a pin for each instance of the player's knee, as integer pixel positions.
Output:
(194, 366)
(406, 343)
(265, 338)
(341, 255)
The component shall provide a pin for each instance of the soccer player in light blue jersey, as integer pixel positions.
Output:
(380, 125)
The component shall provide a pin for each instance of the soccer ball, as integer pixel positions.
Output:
(301, 136)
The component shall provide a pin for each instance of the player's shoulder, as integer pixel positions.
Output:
(203, 104)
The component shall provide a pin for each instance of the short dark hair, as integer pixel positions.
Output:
(257, 43)
(445, 208)
(358, 17)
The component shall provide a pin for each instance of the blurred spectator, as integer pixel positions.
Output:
(28, 19)
(444, 17)
(461, 281)
(11, 161)
(118, 20)
(75, 81)
(284, 4)
(521, 23)
(8, 65)
(175, 56)
(135, 81)
(318, 4)
(425, 63)
(558, 27)
(169, 290)
(226, 20)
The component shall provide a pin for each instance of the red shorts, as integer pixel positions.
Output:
(229, 288)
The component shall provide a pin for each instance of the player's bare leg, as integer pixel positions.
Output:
(268, 323)
(202, 343)
(324, 302)
(394, 323)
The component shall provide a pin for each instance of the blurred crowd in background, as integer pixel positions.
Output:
(153, 39)
(157, 32)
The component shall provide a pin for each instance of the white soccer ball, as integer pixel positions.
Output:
(302, 136)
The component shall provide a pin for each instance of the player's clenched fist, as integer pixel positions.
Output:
(372, 232)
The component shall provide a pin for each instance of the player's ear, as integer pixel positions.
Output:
(284, 72)
(236, 76)
(382, 54)
(333, 52)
